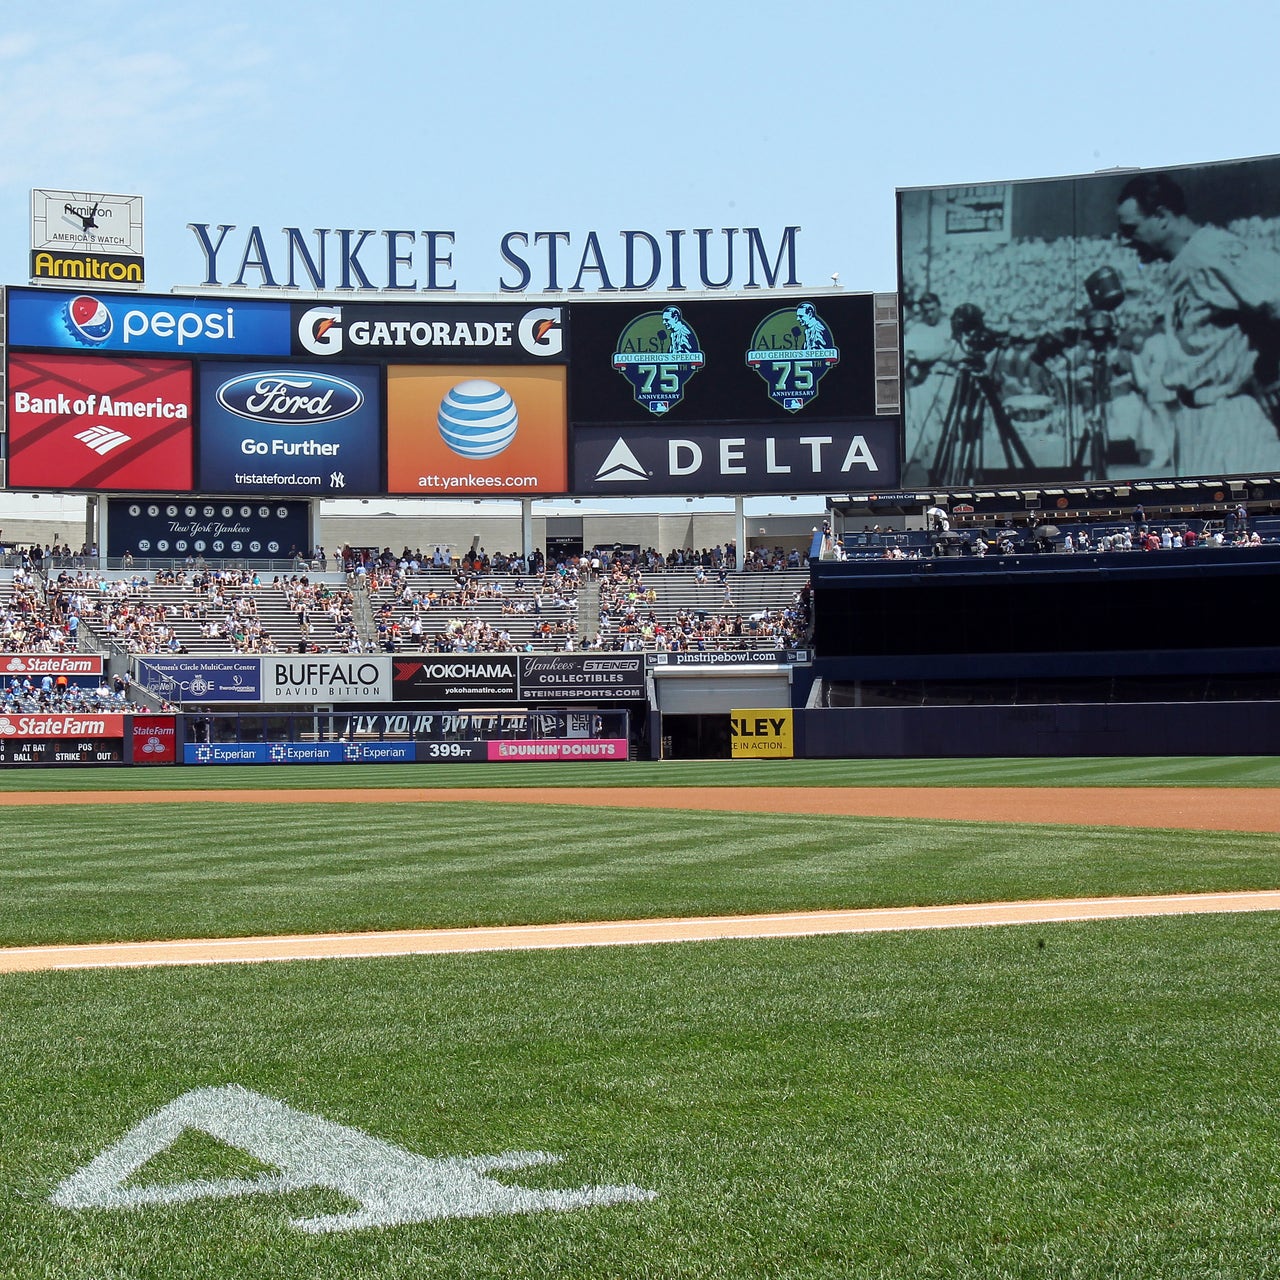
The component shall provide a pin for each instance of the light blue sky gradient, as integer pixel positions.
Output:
(489, 116)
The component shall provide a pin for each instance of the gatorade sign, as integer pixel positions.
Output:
(762, 734)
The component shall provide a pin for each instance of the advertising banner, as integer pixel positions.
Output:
(582, 677)
(724, 360)
(425, 333)
(207, 528)
(766, 734)
(458, 679)
(326, 679)
(198, 680)
(480, 725)
(290, 429)
(381, 752)
(79, 236)
(399, 752)
(485, 429)
(37, 665)
(57, 724)
(80, 423)
(1112, 327)
(731, 658)
(560, 749)
(146, 325)
(155, 740)
(661, 457)
(299, 753)
(728, 396)
(500, 679)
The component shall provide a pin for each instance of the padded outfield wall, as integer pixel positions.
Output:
(1165, 653)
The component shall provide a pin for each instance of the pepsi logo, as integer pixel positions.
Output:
(88, 320)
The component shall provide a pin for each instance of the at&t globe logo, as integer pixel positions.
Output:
(88, 320)
(477, 419)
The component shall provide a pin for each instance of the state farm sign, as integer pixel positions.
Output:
(51, 664)
(56, 726)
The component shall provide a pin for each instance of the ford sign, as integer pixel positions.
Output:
(290, 397)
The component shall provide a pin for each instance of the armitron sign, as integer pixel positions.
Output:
(83, 236)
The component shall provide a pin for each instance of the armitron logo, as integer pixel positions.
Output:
(290, 397)
(102, 439)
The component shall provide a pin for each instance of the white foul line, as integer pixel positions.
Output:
(334, 946)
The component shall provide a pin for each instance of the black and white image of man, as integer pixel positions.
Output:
(1130, 327)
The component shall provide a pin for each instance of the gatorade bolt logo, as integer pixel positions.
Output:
(792, 351)
(657, 353)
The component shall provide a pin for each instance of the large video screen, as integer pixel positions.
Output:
(1120, 326)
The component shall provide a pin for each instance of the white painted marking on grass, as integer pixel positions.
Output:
(391, 1185)
(337, 946)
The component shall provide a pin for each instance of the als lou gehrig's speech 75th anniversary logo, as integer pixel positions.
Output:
(792, 350)
(658, 352)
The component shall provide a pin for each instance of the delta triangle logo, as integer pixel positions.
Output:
(621, 464)
(386, 1184)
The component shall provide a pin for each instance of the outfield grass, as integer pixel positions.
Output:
(102, 873)
(1147, 771)
(1084, 1100)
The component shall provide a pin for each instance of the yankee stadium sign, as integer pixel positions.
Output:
(364, 260)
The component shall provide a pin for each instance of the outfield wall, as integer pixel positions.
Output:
(1115, 729)
(1125, 654)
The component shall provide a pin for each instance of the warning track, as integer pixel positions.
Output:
(1188, 808)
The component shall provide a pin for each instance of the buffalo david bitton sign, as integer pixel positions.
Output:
(762, 734)
(326, 679)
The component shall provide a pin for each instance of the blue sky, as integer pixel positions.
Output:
(487, 117)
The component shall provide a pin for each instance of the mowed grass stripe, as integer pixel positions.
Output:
(1087, 1100)
(93, 874)
(1152, 771)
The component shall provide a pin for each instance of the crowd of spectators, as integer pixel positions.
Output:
(491, 603)
(29, 625)
(28, 695)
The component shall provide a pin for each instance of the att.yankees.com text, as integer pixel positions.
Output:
(468, 481)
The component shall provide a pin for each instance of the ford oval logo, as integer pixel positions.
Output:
(290, 397)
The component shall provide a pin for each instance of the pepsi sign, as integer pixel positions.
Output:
(147, 325)
(278, 429)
